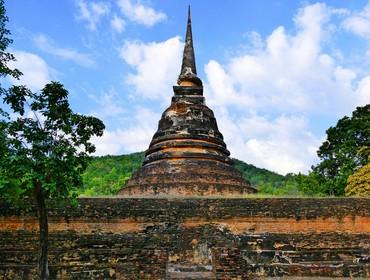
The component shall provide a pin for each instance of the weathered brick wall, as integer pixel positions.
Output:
(128, 238)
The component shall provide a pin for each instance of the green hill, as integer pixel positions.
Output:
(259, 176)
(106, 175)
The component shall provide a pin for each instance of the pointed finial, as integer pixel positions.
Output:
(188, 75)
(189, 19)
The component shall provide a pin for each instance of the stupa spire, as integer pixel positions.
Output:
(188, 75)
(187, 155)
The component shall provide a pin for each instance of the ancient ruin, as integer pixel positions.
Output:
(187, 155)
(184, 237)
(193, 238)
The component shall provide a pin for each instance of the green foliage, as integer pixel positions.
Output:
(5, 58)
(308, 184)
(5, 41)
(359, 182)
(345, 150)
(268, 182)
(259, 176)
(108, 174)
(286, 187)
(295, 185)
(46, 145)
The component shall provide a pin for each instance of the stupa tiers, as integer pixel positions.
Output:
(187, 155)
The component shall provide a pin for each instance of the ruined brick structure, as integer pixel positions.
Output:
(183, 237)
(214, 238)
(187, 155)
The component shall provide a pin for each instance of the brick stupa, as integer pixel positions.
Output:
(187, 155)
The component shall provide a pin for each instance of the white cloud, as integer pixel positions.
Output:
(284, 72)
(363, 91)
(36, 72)
(107, 105)
(91, 12)
(282, 144)
(359, 22)
(48, 46)
(157, 66)
(118, 24)
(220, 88)
(132, 139)
(263, 97)
(289, 72)
(139, 13)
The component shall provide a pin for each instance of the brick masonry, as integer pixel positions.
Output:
(195, 238)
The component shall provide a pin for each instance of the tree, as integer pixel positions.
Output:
(44, 146)
(5, 56)
(46, 150)
(359, 182)
(309, 184)
(342, 152)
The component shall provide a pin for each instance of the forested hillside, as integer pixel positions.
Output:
(107, 174)
(258, 176)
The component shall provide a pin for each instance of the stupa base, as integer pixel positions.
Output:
(187, 177)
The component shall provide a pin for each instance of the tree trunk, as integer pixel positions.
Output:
(43, 225)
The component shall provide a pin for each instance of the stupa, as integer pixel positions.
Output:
(187, 155)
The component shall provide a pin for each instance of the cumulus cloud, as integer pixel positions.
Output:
(135, 137)
(140, 13)
(91, 12)
(107, 105)
(47, 45)
(118, 24)
(36, 72)
(363, 90)
(156, 64)
(264, 97)
(282, 144)
(289, 72)
(359, 22)
(221, 89)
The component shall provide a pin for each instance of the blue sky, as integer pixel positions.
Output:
(277, 74)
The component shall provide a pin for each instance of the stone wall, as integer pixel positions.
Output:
(196, 238)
